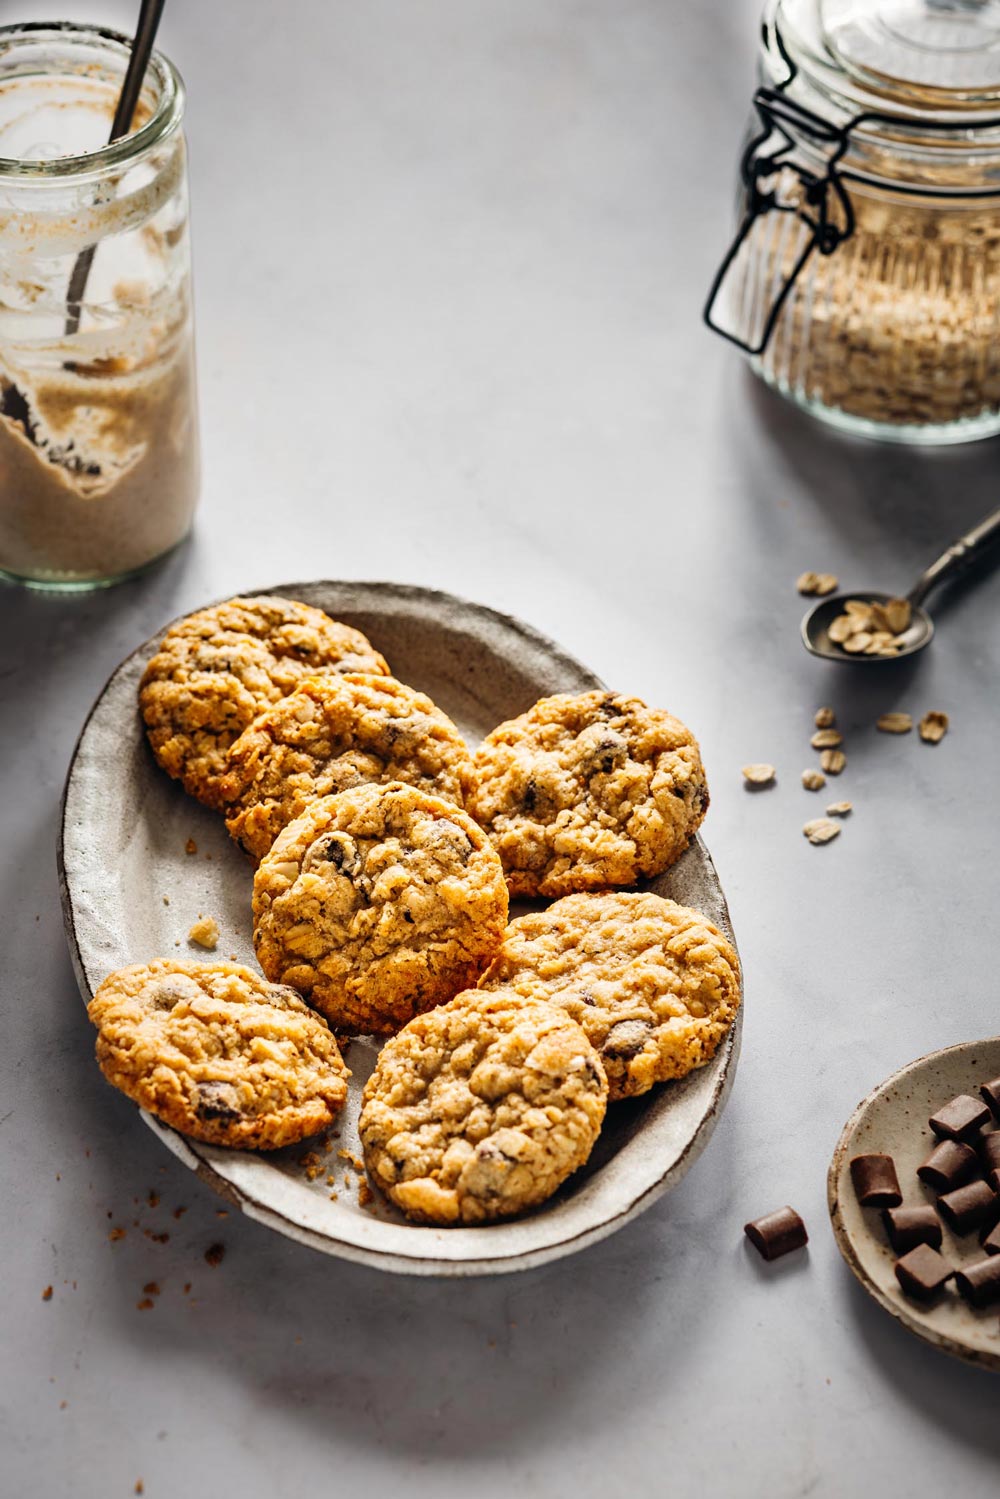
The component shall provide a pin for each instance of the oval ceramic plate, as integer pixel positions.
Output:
(131, 892)
(893, 1120)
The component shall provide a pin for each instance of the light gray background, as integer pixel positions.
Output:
(450, 258)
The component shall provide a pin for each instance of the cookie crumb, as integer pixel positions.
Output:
(813, 780)
(833, 761)
(825, 718)
(166, 900)
(179, 1212)
(115, 1234)
(205, 932)
(214, 1254)
(140, 1487)
(821, 830)
(759, 775)
(365, 1194)
(334, 1196)
(47, 1294)
(933, 726)
(816, 583)
(145, 1305)
(153, 1199)
(894, 723)
(222, 1212)
(187, 1287)
(190, 847)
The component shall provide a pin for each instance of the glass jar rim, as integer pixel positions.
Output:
(164, 120)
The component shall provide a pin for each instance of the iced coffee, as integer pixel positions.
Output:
(98, 425)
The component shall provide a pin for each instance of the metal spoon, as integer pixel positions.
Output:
(816, 625)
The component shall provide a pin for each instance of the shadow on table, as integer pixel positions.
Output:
(943, 1390)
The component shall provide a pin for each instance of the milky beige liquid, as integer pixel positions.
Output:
(98, 439)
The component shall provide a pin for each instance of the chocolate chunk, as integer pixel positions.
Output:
(993, 1179)
(980, 1283)
(777, 1233)
(922, 1272)
(626, 1038)
(908, 1227)
(991, 1241)
(875, 1181)
(990, 1093)
(989, 1149)
(217, 1101)
(961, 1118)
(967, 1207)
(948, 1165)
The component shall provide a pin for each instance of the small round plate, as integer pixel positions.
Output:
(131, 892)
(893, 1120)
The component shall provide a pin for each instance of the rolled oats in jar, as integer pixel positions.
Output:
(864, 280)
(98, 421)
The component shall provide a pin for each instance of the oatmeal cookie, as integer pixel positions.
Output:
(655, 985)
(584, 792)
(217, 669)
(218, 1053)
(481, 1108)
(378, 904)
(331, 734)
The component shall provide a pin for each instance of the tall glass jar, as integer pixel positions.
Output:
(864, 281)
(98, 421)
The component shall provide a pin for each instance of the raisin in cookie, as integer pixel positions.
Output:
(331, 734)
(378, 904)
(584, 792)
(218, 1053)
(217, 669)
(481, 1108)
(655, 985)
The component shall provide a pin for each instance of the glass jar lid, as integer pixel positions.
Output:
(939, 52)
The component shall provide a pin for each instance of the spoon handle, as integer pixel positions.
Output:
(957, 557)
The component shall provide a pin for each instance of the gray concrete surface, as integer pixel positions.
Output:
(450, 257)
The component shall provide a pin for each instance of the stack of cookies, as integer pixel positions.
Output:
(385, 854)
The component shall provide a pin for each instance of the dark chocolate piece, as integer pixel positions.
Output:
(989, 1149)
(993, 1179)
(949, 1165)
(923, 1272)
(968, 1207)
(980, 1283)
(990, 1092)
(959, 1119)
(777, 1233)
(908, 1227)
(876, 1184)
(991, 1241)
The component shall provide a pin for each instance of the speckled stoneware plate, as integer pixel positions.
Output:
(131, 893)
(893, 1120)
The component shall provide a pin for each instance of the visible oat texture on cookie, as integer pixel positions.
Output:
(584, 792)
(480, 1109)
(655, 985)
(377, 904)
(331, 734)
(218, 1053)
(217, 669)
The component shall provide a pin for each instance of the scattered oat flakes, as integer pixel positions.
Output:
(826, 739)
(205, 932)
(839, 809)
(214, 1254)
(821, 830)
(166, 900)
(825, 718)
(833, 761)
(894, 723)
(47, 1294)
(813, 780)
(759, 775)
(190, 847)
(933, 726)
(869, 627)
(816, 583)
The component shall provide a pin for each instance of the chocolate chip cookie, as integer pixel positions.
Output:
(377, 904)
(584, 792)
(331, 734)
(481, 1108)
(217, 669)
(655, 985)
(218, 1053)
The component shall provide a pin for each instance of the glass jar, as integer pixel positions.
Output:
(864, 280)
(98, 422)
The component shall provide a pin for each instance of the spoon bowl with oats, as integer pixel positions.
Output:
(868, 626)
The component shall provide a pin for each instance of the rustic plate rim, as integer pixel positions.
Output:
(188, 1151)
